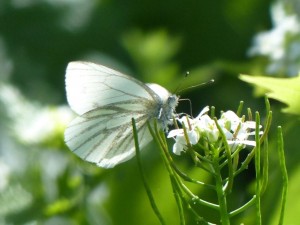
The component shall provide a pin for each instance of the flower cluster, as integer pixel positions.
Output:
(280, 44)
(204, 128)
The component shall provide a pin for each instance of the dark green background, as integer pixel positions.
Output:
(155, 41)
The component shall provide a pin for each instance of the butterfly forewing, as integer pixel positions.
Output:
(90, 86)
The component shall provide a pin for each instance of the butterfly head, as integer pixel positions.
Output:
(166, 106)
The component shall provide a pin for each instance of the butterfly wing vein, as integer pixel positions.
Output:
(106, 101)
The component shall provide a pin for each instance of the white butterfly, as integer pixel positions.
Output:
(105, 101)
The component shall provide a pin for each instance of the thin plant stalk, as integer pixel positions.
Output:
(257, 171)
(220, 191)
(284, 173)
(229, 161)
(142, 172)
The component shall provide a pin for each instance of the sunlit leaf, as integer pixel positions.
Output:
(286, 90)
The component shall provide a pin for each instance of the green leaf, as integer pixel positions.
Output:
(286, 90)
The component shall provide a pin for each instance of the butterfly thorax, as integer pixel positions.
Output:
(166, 106)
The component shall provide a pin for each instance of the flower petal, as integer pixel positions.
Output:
(175, 132)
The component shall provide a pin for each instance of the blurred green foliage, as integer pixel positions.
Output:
(42, 182)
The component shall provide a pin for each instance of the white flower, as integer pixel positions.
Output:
(32, 123)
(236, 130)
(281, 43)
(208, 128)
(203, 112)
(180, 140)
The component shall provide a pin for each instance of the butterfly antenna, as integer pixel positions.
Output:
(197, 85)
(178, 89)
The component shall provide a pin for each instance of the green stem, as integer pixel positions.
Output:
(146, 185)
(229, 160)
(220, 191)
(183, 175)
(244, 207)
(248, 159)
(240, 108)
(160, 139)
(179, 200)
(265, 169)
(284, 173)
(257, 170)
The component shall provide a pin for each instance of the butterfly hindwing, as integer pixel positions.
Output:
(105, 137)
